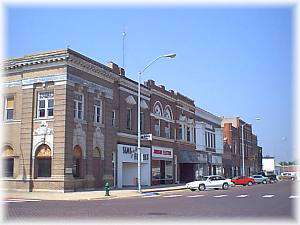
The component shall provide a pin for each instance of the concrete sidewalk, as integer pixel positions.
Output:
(89, 195)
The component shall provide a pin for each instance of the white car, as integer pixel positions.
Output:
(206, 182)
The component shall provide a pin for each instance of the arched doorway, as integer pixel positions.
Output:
(77, 162)
(43, 161)
(97, 167)
(8, 161)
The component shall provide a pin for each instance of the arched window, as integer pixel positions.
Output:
(96, 153)
(157, 109)
(168, 113)
(8, 161)
(43, 161)
(77, 158)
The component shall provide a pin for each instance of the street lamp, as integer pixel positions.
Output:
(139, 113)
(243, 147)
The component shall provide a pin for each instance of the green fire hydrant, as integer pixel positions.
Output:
(106, 187)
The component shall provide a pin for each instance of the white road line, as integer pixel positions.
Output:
(150, 196)
(294, 196)
(268, 196)
(219, 196)
(241, 196)
(194, 196)
(171, 196)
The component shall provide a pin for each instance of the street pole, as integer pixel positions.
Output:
(139, 132)
(243, 151)
(139, 115)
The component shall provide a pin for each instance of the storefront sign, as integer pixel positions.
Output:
(160, 152)
(147, 137)
(128, 153)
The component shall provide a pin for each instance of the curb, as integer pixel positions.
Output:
(163, 190)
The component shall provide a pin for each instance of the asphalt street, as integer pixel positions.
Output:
(257, 201)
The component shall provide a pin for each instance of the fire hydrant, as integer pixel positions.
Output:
(106, 187)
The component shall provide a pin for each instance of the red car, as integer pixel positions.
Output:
(243, 181)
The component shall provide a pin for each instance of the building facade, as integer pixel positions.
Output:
(209, 142)
(74, 122)
(232, 158)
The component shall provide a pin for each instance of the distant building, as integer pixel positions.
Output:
(268, 164)
(232, 157)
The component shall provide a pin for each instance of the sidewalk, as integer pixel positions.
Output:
(89, 195)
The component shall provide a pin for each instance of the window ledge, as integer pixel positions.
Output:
(43, 119)
(11, 121)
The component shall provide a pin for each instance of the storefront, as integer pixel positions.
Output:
(162, 165)
(201, 168)
(128, 168)
(216, 167)
(191, 164)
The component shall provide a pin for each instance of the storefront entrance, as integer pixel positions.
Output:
(162, 165)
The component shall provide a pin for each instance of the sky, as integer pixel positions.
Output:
(232, 61)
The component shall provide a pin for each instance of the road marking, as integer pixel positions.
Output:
(195, 196)
(268, 196)
(150, 196)
(294, 196)
(171, 196)
(241, 196)
(219, 196)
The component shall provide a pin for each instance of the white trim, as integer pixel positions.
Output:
(161, 118)
(134, 93)
(162, 139)
(132, 136)
(184, 109)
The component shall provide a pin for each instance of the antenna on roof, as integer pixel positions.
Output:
(123, 38)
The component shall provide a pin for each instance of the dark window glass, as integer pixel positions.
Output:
(76, 168)
(8, 170)
(128, 116)
(44, 167)
(9, 114)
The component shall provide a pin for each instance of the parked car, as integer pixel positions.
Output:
(288, 176)
(243, 181)
(260, 179)
(207, 182)
(272, 177)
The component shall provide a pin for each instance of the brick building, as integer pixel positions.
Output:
(232, 158)
(71, 124)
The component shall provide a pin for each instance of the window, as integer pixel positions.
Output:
(43, 161)
(168, 131)
(214, 141)
(98, 111)
(77, 158)
(45, 104)
(8, 170)
(113, 118)
(9, 108)
(206, 139)
(157, 128)
(78, 106)
(188, 134)
(167, 113)
(180, 132)
(142, 122)
(128, 117)
(157, 109)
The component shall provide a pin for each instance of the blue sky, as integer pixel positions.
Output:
(232, 61)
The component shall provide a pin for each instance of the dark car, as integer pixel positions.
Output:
(271, 176)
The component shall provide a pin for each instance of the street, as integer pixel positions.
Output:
(269, 200)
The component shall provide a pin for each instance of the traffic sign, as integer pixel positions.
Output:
(147, 137)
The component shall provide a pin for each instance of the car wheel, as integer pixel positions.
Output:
(201, 187)
(193, 189)
(250, 183)
(264, 181)
(293, 178)
(225, 186)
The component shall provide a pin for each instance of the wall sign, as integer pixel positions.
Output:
(161, 152)
(128, 153)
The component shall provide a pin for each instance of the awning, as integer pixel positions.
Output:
(186, 156)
